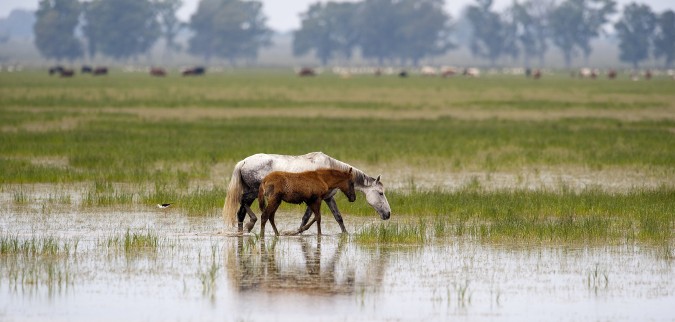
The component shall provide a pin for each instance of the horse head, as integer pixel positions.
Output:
(374, 190)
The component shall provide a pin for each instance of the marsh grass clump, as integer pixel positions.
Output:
(134, 242)
(20, 197)
(29, 264)
(147, 241)
(393, 233)
(36, 247)
(203, 202)
(208, 274)
(197, 202)
(105, 194)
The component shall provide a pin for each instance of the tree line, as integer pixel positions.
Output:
(394, 31)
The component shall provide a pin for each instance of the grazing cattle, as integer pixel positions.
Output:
(55, 70)
(67, 72)
(157, 72)
(536, 74)
(306, 71)
(588, 73)
(471, 72)
(194, 71)
(611, 74)
(403, 74)
(648, 74)
(428, 71)
(98, 71)
(448, 72)
(86, 69)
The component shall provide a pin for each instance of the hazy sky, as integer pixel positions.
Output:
(283, 14)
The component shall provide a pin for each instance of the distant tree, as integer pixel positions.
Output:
(492, 36)
(231, 29)
(530, 19)
(55, 29)
(18, 24)
(328, 29)
(575, 22)
(169, 23)
(403, 29)
(121, 28)
(379, 22)
(664, 40)
(424, 31)
(635, 30)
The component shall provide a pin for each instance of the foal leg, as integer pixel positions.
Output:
(272, 205)
(274, 226)
(316, 208)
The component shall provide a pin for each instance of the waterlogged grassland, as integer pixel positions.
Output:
(129, 141)
(552, 217)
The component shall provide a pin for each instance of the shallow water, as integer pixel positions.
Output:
(195, 273)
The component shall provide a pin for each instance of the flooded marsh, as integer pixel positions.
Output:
(157, 265)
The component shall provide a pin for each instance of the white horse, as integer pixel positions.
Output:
(249, 172)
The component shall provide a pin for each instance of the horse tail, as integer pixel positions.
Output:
(235, 191)
(262, 203)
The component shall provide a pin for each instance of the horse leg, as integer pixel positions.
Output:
(274, 226)
(305, 227)
(272, 205)
(251, 215)
(305, 219)
(316, 208)
(241, 215)
(332, 205)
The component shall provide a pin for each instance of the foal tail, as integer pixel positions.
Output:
(262, 203)
(235, 191)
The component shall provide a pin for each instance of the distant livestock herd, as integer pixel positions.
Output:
(427, 71)
(98, 71)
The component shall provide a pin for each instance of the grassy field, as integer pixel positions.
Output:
(127, 139)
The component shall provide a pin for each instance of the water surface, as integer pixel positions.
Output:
(197, 273)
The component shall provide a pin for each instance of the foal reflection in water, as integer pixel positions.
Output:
(310, 187)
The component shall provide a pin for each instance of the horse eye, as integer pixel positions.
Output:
(381, 193)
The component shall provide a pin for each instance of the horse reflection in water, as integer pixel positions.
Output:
(253, 265)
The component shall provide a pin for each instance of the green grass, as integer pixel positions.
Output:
(134, 242)
(129, 149)
(132, 140)
(393, 233)
(14, 246)
(588, 216)
(40, 261)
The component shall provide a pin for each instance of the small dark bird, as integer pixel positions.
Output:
(163, 205)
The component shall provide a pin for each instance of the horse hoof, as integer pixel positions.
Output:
(249, 226)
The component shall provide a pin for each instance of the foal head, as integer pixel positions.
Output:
(347, 186)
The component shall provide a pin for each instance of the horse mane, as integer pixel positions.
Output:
(360, 178)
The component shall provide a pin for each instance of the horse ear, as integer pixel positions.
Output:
(377, 180)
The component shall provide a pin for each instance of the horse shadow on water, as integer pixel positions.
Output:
(255, 264)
